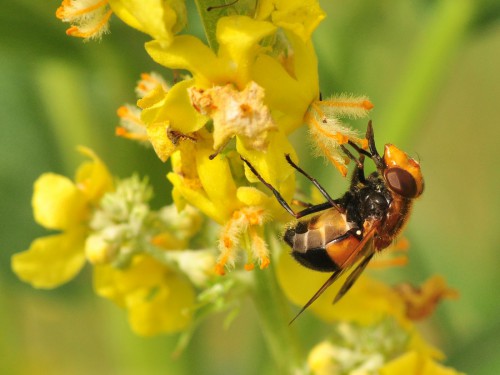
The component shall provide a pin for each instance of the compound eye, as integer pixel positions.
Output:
(401, 182)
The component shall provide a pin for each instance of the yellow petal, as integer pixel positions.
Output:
(157, 299)
(272, 165)
(366, 303)
(189, 53)
(305, 67)
(154, 17)
(298, 16)
(151, 102)
(57, 202)
(251, 196)
(239, 38)
(217, 180)
(174, 107)
(412, 363)
(116, 284)
(51, 261)
(93, 177)
(157, 135)
(196, 197)
(288, 109)
(165, 309)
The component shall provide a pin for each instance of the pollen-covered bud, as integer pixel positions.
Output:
(149, 82)
(98, 250)
(236, 113)
(131, 125)
(88, 18)
(247, 219)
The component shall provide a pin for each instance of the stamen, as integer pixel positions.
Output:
(259, 248)
(326, 152)
(77, 32)
(120, 131)
(364, 104)
(337, 137)
(229, 240)
(63, 12)
(125, 113)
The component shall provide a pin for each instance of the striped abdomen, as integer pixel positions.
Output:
(324, 242)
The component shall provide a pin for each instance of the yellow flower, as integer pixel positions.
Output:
(414, 363)
(158, 300)
(58, 203)
(298, 16)
(248, 94)
(158, 18)
(288, 87)
(370, 311)
(211, 186)
(383, 349)
(368, 301)
(89, 18)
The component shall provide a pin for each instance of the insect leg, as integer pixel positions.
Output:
(276, 193)
(373, 149)
(352, 157)
(309, 210)
(315, 183)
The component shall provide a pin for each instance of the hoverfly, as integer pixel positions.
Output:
(345, 233)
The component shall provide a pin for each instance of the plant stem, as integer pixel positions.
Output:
(430, 59)
(273, 311)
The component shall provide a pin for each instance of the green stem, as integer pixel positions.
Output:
(274, 315)
(429, 61)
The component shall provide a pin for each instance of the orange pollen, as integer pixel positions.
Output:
(249, 267)
(122, 111)
(265, 262)
(254, 219)
(122, 132)
(228, 243)
(75, 31)
(246, 109)
(219, 269)
(367, 105)
(60, 10)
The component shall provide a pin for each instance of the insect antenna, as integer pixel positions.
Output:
(210, 8)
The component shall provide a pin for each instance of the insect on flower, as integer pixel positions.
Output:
(345, 233)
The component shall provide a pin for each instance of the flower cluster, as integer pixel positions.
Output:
(374, 328)
(138, 255)
(241, 99)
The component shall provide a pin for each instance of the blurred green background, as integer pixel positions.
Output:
(429, 66)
